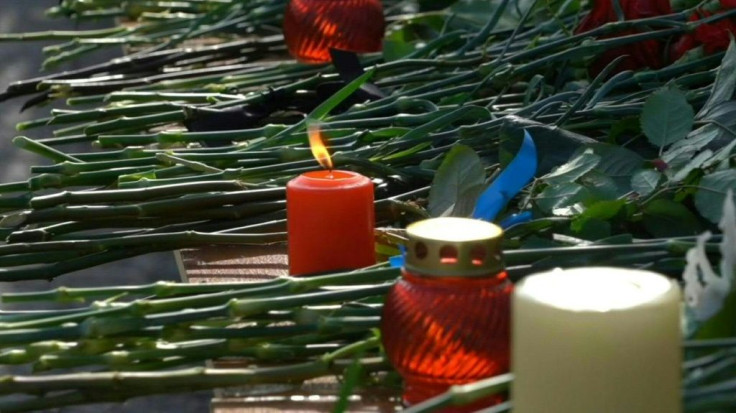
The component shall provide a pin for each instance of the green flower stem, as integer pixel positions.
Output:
(128, 62)
(43, 150)
(15, 202)
(182, 239)
(36, 123)
(73, 168)
(161, 289)
(62, 34)
(675, 247)
(592, 47)
(101, 113)
(258, 199)
(178, 116)
(65, 140)
(11, 316)
(461, 395)
(156, 97)
(131, 384)
(214, 349)
(281, 286)
(676, 20)
(125, 123)
(709, 344)
(193, 349)
(111, 249)
(15, 260)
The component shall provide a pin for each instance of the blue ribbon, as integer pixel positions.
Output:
(510, 182)
(494, 199)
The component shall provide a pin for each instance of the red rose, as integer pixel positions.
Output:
(647, 53)
(714, 36)
(728, 4)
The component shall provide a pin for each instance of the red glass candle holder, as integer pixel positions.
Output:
(447, 320)
(313, 27)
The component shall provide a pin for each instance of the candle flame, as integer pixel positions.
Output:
(317, 144)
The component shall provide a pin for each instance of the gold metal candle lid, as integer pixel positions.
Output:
(461, 247)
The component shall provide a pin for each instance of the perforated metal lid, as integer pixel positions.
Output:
(461, 247)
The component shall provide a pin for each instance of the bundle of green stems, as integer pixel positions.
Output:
(132, 341)
(156, 186)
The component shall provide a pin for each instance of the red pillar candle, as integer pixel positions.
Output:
(312, 27)
(330, 217)
(330, 220)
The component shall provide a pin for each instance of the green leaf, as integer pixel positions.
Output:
(571, 171)
(723, 113)
(694, 163)
(330, 103)
(626, 126)
(601, 210)
(396, 45)
(467, 112)
(721, 156)
(667, 117)
(593, 229)
(712, 193)
(725, 83)
(560, 196)
(695, 141)
(722, 324)
(428, 5)
(666, 218)
(619, 164)
(646, 181)
(601, 186)
(458, 183)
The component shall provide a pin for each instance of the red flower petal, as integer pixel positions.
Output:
(685, 43)
(313, 27)
(647, 53)
(714, 36)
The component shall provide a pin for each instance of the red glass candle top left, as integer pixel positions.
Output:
(330, 222)
(312, 27)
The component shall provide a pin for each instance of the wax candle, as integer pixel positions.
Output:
(601, 340)
(330, 216)
(330, 220)
(312, 27)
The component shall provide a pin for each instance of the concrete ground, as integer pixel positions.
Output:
(21, 61)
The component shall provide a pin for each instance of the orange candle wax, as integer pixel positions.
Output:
(330, 220)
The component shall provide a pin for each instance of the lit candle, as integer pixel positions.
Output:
(330, 217)
(601, 340)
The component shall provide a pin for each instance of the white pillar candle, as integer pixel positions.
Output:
(596, 340)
